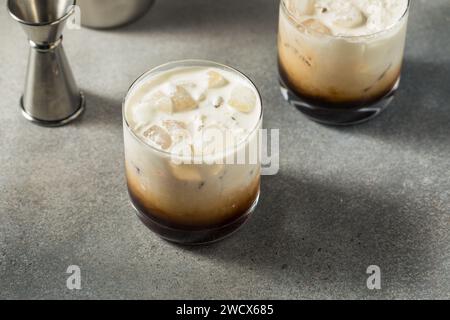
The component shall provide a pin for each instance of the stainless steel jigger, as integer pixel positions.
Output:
(51, 96)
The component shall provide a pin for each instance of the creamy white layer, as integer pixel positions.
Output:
(348, 17)
(194, 110)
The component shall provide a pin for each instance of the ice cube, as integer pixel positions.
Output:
(185, 172)
(317, 26)
(216, 80)
(351, 17)
(201, 97)
(159, 101)
(301, 7)
(173, 125)
(178, 130)
(183, 151)
(215, 169)
(158, 136)
(182, 100)
(243, 99)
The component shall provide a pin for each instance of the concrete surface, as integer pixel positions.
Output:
(375, 194)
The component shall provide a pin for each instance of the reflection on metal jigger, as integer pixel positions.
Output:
(51, 96)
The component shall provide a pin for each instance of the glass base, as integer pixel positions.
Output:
(338, 116)
(194, 237)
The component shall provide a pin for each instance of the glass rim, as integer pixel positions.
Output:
(347, 37)
(193, 63)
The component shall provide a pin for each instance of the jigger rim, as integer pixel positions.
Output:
(42, 24)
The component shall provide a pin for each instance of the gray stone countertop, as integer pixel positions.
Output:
(345, 198)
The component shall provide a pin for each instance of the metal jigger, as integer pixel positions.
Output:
(51, 95)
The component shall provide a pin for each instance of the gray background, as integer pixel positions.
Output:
(345, 198)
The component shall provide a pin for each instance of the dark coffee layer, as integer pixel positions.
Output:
(334, 100)
(204, 218)
(194, 236)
